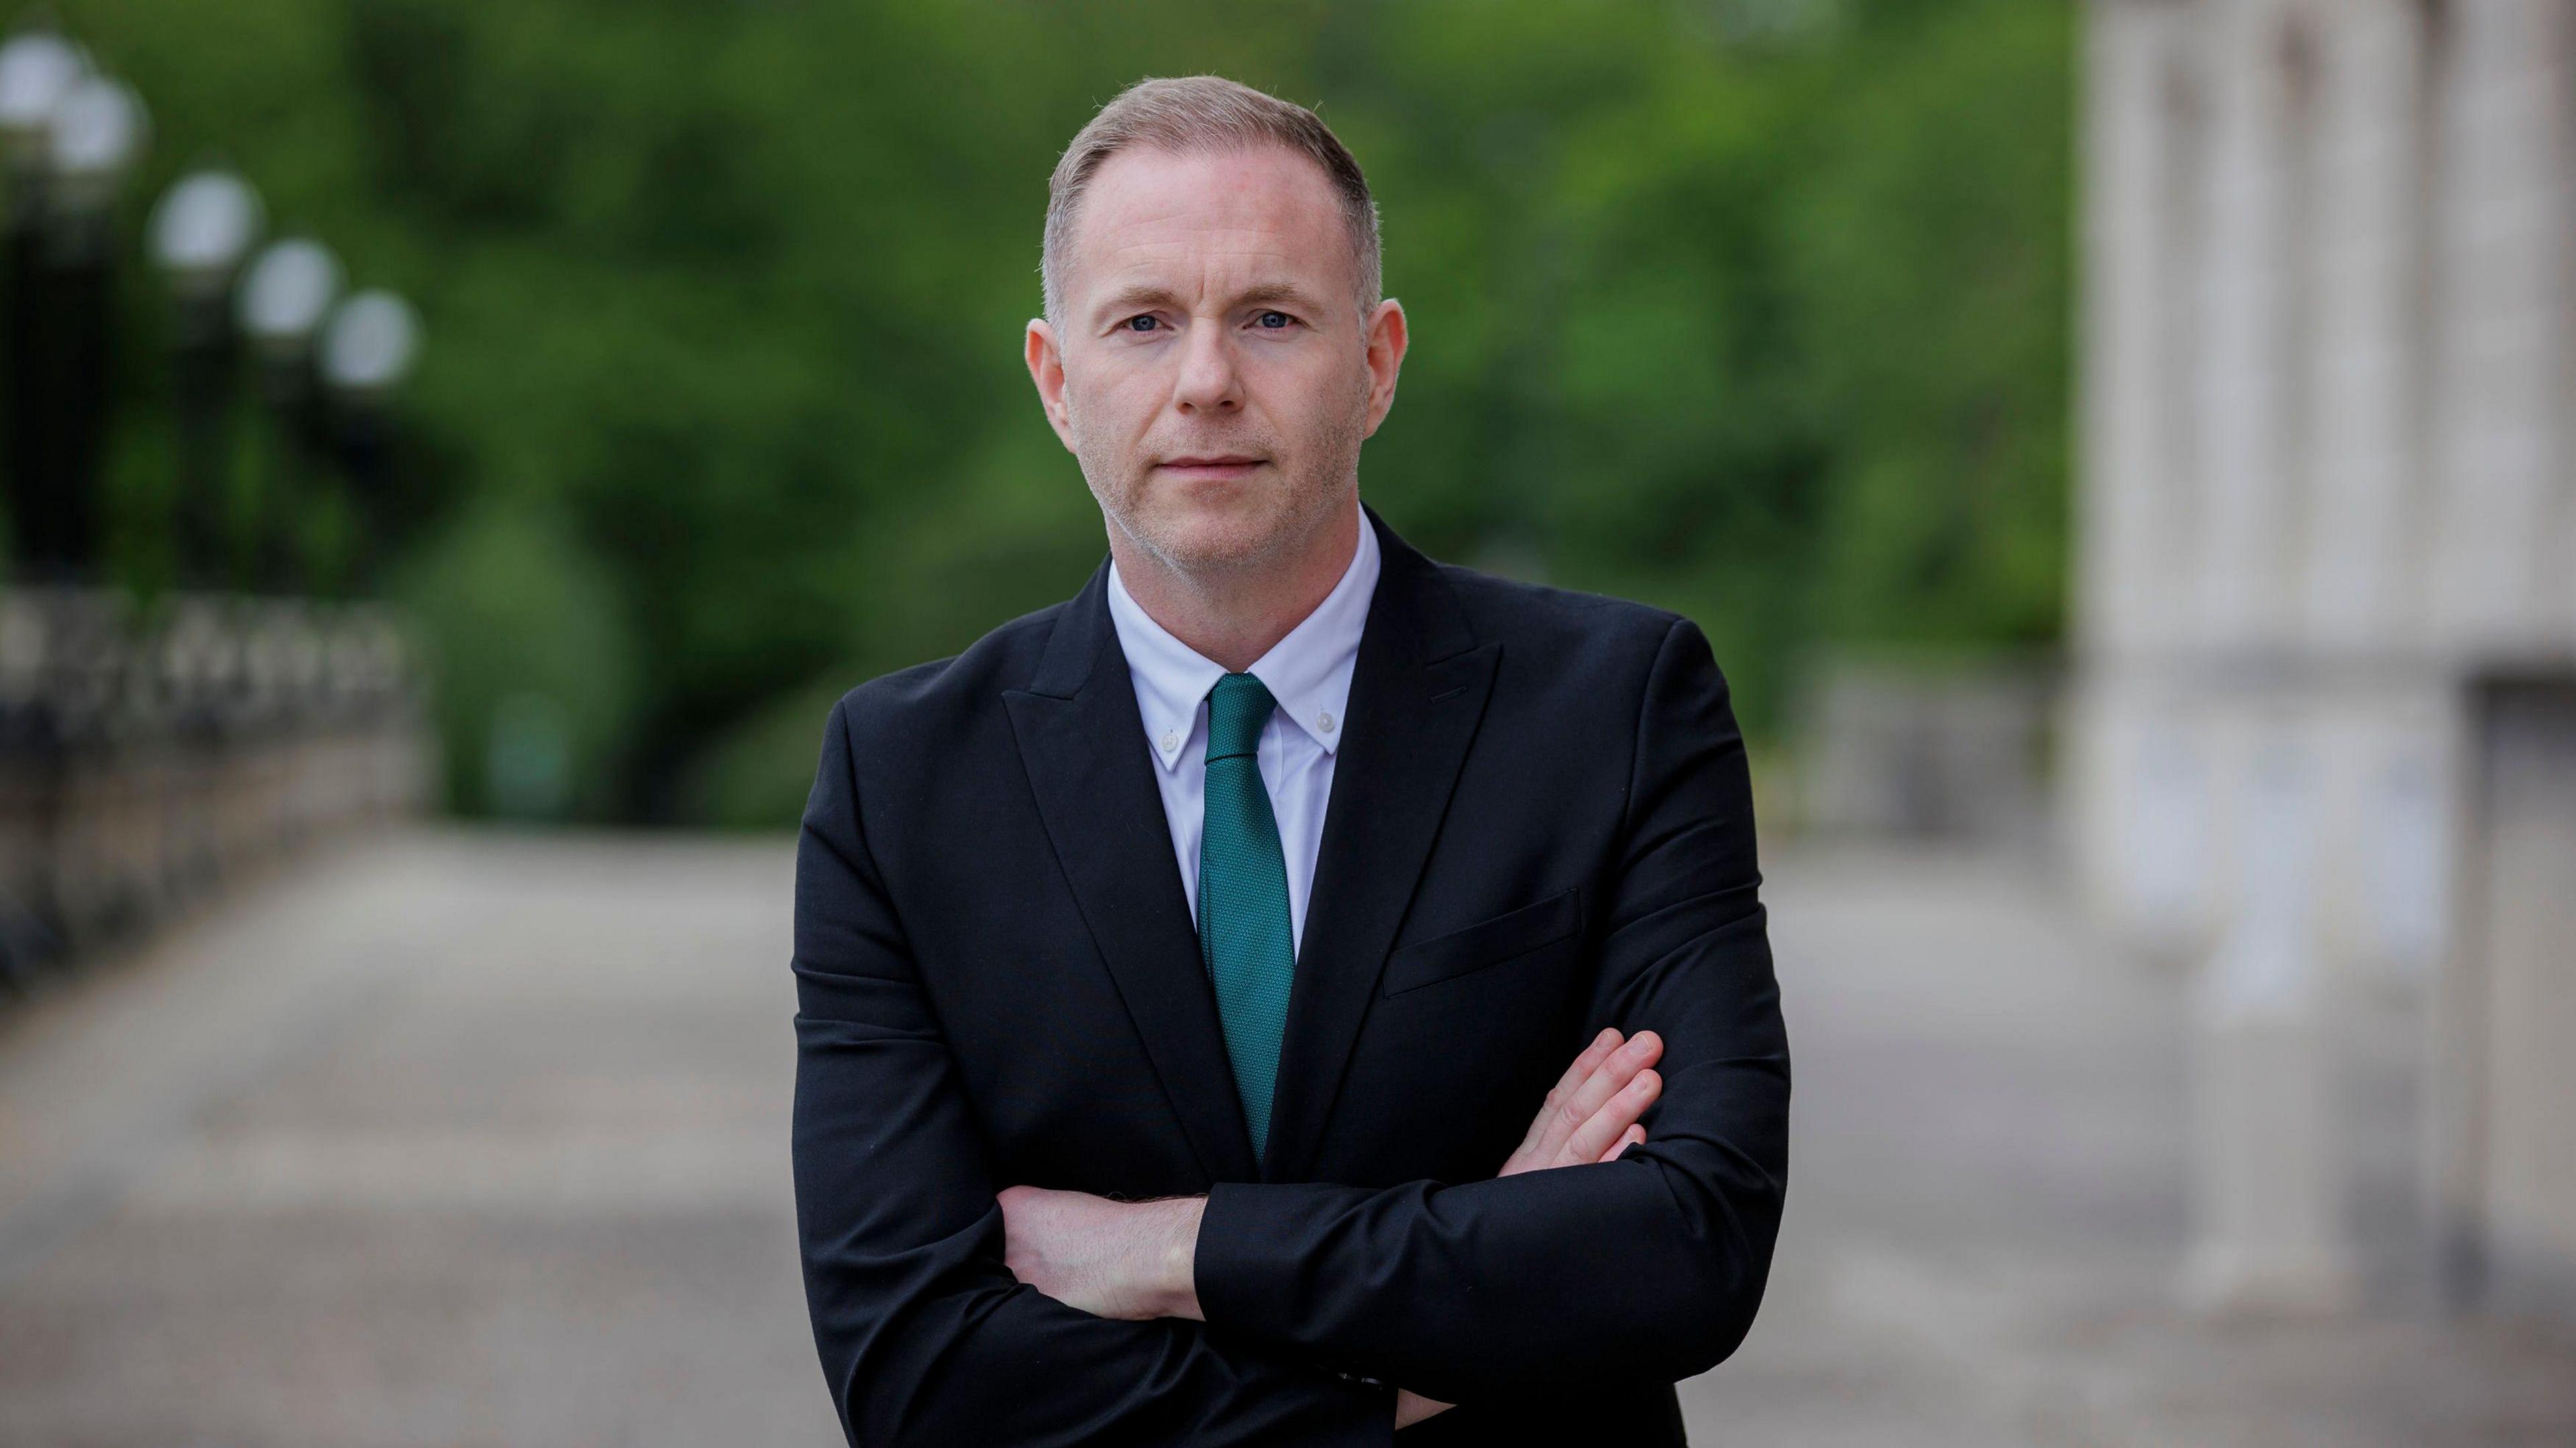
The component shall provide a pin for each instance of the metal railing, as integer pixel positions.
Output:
(147, 752)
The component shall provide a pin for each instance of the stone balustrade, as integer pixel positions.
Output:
(150, 750)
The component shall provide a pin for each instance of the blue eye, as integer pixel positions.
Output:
(1283, 320)
(1140, 317)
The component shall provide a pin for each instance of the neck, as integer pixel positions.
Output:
(1234, 616)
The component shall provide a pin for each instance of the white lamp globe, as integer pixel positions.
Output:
(370, 343)
(203, 227)
(286, 292)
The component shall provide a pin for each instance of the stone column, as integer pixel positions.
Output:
(2129, 466)
(2362, 583)
(2268, 1233)
(2251, 387)
(2501, 205)
(2133, 783)
(2268, 1230)
(2364, 341)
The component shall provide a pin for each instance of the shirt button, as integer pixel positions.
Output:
(1326, 720)
(1170, 742)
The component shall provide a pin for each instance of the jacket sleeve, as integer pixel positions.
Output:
(1646, 1268)
(924, 1334)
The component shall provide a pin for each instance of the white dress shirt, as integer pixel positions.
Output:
(1308, 673)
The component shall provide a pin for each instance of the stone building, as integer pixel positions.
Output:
(2322, 741)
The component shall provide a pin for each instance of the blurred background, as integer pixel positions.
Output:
(456, 453)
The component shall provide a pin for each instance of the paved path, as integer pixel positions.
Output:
(464, 1139)
(1988, 1196)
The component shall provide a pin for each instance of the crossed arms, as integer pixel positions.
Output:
(1645, 1268)
(1138, 1260)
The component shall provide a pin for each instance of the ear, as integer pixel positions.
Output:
(1046, 369)
(1386, 340)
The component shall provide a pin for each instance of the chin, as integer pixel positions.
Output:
(1214, 537)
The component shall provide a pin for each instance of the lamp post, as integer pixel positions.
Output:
(37, 69)
(97, 131)
(203, 227)
(366, 353)
(281, 303)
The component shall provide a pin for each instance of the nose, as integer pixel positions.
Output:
(1209, 380)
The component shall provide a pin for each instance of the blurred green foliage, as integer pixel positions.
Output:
(544, 699)
(1756, 309)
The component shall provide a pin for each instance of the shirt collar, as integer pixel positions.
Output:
(1308, 671)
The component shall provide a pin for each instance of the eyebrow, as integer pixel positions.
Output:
(1146, 294)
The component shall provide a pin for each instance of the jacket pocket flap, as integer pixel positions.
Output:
(1491, 941)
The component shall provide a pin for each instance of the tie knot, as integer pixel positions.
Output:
(1237, 708)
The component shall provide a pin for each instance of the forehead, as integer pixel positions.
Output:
(1201, 216)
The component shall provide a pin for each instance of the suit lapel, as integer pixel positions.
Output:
(1083, 744)
(1418, 692)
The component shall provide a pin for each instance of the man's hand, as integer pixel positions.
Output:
(1412, 1408)
(1128, 1260)
(1592, 1114)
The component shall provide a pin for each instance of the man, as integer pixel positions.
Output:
(1183, 968)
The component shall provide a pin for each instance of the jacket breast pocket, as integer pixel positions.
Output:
(1507, 936)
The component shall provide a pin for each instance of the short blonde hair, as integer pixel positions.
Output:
(1203, 113)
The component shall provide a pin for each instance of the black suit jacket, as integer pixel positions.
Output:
(1540, 825)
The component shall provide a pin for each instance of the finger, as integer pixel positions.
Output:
(1611, 1124)
(1627, 1138)
(1585, 1064)
(1607, 1080)
(1612, 1121)
(1566, 1085)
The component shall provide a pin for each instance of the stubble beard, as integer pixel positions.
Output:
(1252, 542)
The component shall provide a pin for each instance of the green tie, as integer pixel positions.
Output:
(1243, 898)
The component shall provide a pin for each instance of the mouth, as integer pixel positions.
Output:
(1216, 465)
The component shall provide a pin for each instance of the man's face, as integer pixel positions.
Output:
(1211, 370)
